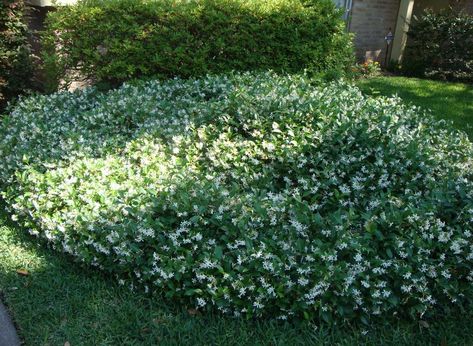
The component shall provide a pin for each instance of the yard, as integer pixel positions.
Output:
(54, 300)
(221, 184)
(449, 101)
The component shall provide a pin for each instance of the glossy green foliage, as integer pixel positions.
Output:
(15, 60)
(113, 41)
(440, 46)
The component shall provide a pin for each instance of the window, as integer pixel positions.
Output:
(346, 4)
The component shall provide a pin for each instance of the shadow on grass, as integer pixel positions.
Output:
(449, 101)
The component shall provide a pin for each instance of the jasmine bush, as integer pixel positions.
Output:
(252, 194)
(111, 41)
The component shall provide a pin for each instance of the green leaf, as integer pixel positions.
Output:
(218, 252)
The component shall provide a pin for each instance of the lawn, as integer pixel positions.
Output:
(450, 101)
(54, 300)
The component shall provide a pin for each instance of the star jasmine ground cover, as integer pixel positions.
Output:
(251, 194)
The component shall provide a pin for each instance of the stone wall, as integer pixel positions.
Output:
(371, 20)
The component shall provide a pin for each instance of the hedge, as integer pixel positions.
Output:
(440, 46)
(113, 41)
(15, 55)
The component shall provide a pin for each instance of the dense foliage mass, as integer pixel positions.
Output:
(253, 194)
(15, 61)
(440, 46)
(112, 41)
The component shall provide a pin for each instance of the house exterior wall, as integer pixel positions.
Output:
(371, 20)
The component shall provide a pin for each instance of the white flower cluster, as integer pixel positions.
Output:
(253, 194)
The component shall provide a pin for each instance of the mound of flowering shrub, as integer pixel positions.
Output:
(256, 195)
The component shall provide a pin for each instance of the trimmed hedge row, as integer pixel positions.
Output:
(15, 61)
(113, 41)
(440, 46)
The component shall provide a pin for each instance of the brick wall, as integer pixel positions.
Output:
(371, 21)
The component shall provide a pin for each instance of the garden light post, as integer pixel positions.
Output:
(389, 39)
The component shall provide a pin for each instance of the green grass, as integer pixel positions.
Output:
(449, 101)
(60, 301)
